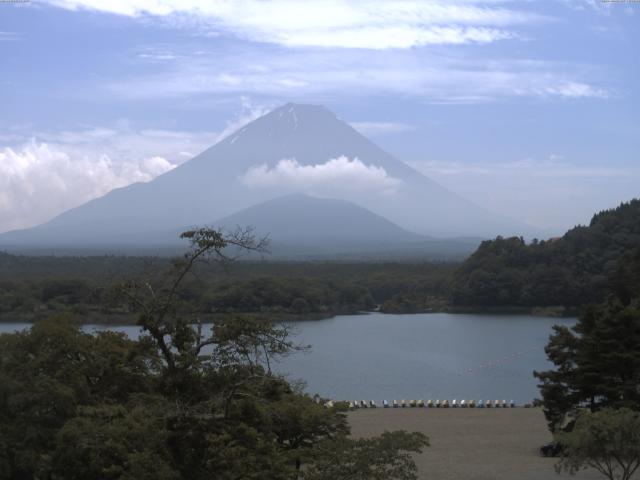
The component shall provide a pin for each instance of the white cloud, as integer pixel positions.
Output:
(577, 90)
(327, 74)
(333, 175)
(39, 181)
(381, 128)
(43, 176)
(375, 24)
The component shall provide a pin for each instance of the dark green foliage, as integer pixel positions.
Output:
(30, 289)
(115, 442)
(581, 267)
(294, 295)
(387, 457)
(49, 374)
(180, 403)
(607, 441)
(597, 362)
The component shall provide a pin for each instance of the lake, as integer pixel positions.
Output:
(432, 355)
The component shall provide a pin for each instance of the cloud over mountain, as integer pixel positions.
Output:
(39, 180)
(335, 174)
(46, 173)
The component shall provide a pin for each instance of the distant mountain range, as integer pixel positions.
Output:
(369, 198)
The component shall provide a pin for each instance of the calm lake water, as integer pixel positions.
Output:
(436, 355)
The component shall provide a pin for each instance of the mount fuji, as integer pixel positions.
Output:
(294, 149)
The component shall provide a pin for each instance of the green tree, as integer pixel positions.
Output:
(115, 442)
(579, 268)
(597, 362)
(607, 441)
(300, 423)
(387, 457)
(178, 403)
(48, 374)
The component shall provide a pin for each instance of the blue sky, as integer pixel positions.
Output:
(528, 108)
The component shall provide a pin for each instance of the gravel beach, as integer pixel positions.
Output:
(471, 444)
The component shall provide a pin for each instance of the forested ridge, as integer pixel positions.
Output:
(579, 268)
(36, 287)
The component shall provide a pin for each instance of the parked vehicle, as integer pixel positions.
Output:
(553, 449)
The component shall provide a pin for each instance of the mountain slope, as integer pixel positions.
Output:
(301, 219)
(212, 186)
(304, 227)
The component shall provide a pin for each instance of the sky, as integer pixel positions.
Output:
(528, 108)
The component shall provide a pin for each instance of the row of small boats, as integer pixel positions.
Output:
(431, 404)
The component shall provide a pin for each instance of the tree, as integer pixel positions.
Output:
(300, 423)
(48, 375)
(608, 441)
(156, 302)
(178, 403)
(115, 442)
(597, 363)
(387, 457)
(572, 271)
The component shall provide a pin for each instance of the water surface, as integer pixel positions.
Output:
(436, 355)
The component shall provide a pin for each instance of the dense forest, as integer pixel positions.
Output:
(579, 268)
(35, 287)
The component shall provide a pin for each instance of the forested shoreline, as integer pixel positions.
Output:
(36, 287)
(506, 275)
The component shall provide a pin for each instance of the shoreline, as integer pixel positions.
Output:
(129, 319)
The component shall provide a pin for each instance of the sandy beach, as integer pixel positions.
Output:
(471, 444)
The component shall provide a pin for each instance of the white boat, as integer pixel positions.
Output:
(403, 403)
(421, 403)
(372, 404)
(430, 403)
(463, 404)
(385, 404)
(454, 404)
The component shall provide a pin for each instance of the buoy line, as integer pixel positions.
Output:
(497, 363)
